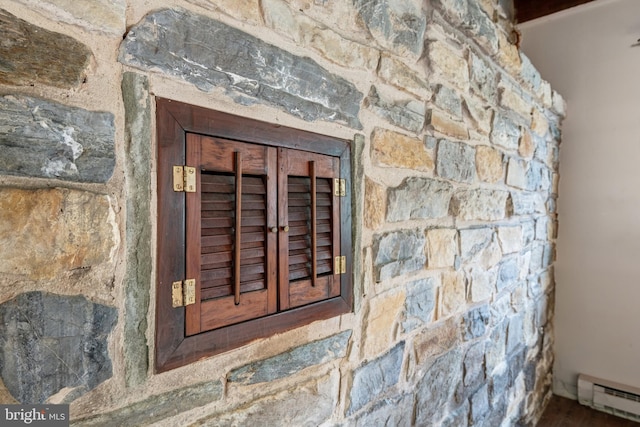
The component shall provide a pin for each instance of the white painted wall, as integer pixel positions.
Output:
(585, 54)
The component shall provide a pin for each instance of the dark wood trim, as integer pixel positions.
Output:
(171, 235)
(174, 120)
(526, 10)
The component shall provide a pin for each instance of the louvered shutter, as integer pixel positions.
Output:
(230, 251)
(310, 210)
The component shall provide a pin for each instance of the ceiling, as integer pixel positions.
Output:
(527, 10)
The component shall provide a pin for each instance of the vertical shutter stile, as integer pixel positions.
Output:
(314, 224)
(238, 231)
(193, 244)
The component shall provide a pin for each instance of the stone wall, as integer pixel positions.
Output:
(455, 142)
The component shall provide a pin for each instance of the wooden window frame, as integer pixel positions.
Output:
(174, 120)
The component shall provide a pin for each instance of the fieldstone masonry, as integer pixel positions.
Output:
(455, 149)
(50, 342)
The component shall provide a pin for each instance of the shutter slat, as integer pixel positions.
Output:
(218, 225)
(300, 227)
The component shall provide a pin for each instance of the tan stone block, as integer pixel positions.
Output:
(102, 15)
(442, 123)
(436, 340)
(402, 77)
(394, 149)
(482, 284)
(279, 15)
(508, 54)
(32, 54)
(453, 298)
(442, 247)
(382, 322)
(48, 231)
(244, 10)
(517, 173)
(526, 147)
(555, 183)
(559, 105)
(539, 123)
(488, 6)
(448, 64)
(375, 204)
(512, 100)
(340, 50)
(510, 239)
(489, 164)
(545, 94)
(480, 114)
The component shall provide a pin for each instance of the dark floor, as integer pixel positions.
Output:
(562, 412)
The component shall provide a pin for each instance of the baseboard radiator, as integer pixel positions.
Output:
(608, 396)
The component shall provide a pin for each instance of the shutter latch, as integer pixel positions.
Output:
(339, 187)
(184, 179)
(183, 295)
(340, 265)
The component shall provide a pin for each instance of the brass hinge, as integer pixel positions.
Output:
(340, 265)
(183, 295)
(184, 179)
(339, 187)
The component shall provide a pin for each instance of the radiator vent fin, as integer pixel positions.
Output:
(620, 393)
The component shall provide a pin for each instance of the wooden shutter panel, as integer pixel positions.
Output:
(229, 250)
(308, 249)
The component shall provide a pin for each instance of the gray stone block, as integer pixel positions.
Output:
(419, 198)
(398, 25)
(481, 26)
(523, 203)
(479, 405)
(396, 411)
(498, 385)
(475, 322)
(456, 161)
(209, 54)
(505, 132)
(49, 342)
(398, 253)
(515, 335)
(374, 378)
(496, 347)
(538, 177)
(473, 363)
(508, 273)
(436, 388)
(549, 255)
(483, 78)
(528, 232)
(458, 417)
(479, 204)
(137, 166)
(537, 255)
(468, 16)
(407, 114)
(44, 139)
(157, 407)
(310, 404)
(529, 73)
(293, 361)
(419, 304)
(449, 100)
